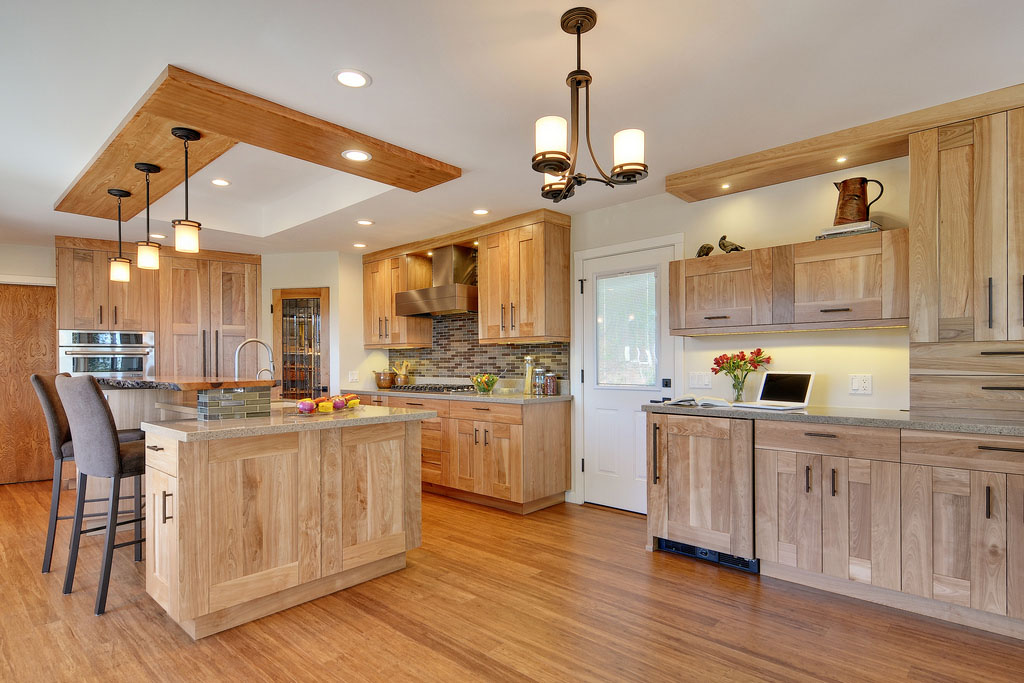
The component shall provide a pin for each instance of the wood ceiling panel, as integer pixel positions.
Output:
(225, 116)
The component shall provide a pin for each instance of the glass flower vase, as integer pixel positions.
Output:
(737, 388)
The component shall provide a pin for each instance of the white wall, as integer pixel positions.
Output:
(779, 214)
(343, 273)
(25, 264)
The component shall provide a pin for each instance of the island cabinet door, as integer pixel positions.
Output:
(262, 528)
(363, 495)
(861, 520)
(700, 482)
(162, 539)
(955, 535)
(788, 495)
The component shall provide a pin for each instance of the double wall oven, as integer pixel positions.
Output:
(106, 353)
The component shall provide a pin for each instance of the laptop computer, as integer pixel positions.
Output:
(782, 391)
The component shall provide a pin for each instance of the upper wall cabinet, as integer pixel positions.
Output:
(382, 328)
(967, 230)
(524, 286)
(88, 300)
(856, 281)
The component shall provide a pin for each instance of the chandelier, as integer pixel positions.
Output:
(557, 143)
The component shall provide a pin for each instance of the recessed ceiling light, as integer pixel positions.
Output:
(476, 243)
(725, 186)
(481, 212)
(359, 245)
(841, 160)
(157, 236)
(220, 182)
(356, 155)
(364, 221)
(430, 253)
(353, 78)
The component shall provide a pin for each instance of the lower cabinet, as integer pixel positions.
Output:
(488, 459)
(700, 480)
(162, 539)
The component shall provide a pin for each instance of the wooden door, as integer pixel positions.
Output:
(374, 295)
(466, 456)
(700, 486)
(493, 261)
(958, 231)
(262, 496)
(501, 459)
(292, 361)
(184, 318)
(838, 279)
(28, 345)
(135, 305)
(954, 536)
(162, 539)
(727, 290)
(861, 520)
(526, 281)
(788, 499)
(82, 279)
(234, 317)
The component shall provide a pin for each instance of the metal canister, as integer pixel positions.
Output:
(550, 384)
(537, 387)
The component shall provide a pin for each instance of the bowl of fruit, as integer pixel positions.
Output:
(484, 382)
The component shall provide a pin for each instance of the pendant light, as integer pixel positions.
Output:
(148, 251)
(186, 232)
(120, 267)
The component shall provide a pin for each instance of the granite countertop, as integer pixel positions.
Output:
(865, 417)
(282, 421)
(515, 397)
(183, 383)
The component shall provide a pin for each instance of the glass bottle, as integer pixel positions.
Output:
(538, 382)
(527, 375)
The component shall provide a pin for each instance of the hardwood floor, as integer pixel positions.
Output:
(568, 593)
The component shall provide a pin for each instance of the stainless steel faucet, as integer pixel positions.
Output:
(270, 355)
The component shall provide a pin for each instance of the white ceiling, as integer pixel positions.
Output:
(463, 81)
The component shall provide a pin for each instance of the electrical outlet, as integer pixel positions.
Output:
(860, 384)
(353, 375)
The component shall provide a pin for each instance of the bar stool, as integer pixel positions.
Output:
(99, 453)
(63, 451)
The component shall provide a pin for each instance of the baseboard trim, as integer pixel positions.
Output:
(506, 505)
(965, 616)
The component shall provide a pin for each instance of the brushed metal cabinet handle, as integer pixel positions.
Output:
(821, 435)
(1001, 353)
(990, 303)
(834, 310)
(486, 432)
(163, 507)
(512, 315)
(654, 451)
(1003, 388)
(380, 328)
(216, 353)
(155, 448)
(988, 502)
(1001, 449)
(115, 316)
(716, 317)
(503, 317)
(204, 352)
(475, 408)
(387, 332)
(101, 314)
(476, 436)
(410, 403)
(834, 487)
(807, 479)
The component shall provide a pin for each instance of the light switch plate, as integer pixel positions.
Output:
(353, 375)
(699, 380)
(860, 384)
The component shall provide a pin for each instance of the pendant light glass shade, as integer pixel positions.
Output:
(551, 134)
(186, 236)
(148, 255)
(120, 269)
(628, 147)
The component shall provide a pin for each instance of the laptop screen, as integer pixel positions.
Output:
(785, 386)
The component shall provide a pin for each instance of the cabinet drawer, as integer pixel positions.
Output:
(372, 400)
(870, 443)
(964, 451)
(432, 456)
(431, 438)
(439, 405)
(431, 473)
(967, 358)
(508, 413)
(993, 397)
(162, 454)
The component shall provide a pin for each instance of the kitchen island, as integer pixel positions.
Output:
(248, 517)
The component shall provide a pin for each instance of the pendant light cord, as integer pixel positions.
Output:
(147, 206)
(186, 179)
(119, 254)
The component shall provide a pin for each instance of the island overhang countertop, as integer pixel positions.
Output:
(183, 382)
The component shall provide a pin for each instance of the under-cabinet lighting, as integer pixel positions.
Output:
(726, 186)
(841, 160)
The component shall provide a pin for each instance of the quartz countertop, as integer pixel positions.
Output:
(282, 421)
(515, 397)
(183, 383)
(866, 417)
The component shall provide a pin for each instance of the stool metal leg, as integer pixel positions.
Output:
(51, 530)
(76, 535)
(138, 516)
(108, 546)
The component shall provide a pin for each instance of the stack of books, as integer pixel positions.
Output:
(849, 229)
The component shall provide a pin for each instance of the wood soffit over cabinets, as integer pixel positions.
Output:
(91, 244)
(865, 144)
(225, 116)
(469, 234)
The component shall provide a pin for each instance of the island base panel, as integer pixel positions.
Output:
(506, 505)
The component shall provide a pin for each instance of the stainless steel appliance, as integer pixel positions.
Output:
(106, 353)
(454, 289)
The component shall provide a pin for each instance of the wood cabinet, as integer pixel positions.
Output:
(234, 317)
(854, 281)
(162, 539)
(436, 438)
(88, 300)
(488, 459)
(700, 479)
(523, 280)
(382, 328)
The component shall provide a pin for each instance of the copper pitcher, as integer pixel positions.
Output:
(853, 206)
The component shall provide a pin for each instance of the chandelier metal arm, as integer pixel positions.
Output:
(590, 147)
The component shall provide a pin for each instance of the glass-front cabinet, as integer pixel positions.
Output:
(301, 341)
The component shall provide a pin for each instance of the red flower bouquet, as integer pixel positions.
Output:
(738, 365)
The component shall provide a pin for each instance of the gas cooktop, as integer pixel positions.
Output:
(434, 388)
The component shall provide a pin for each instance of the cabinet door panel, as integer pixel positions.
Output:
(990, 238)
(502, 456)
(726, 290)
(1015, 546)
(184, 317)
(526, 284)
(988, 542)
(464, 470)
(839, 279)
(82, 289)
(789, 508)
(162, 540)
(134, 305)
(493, 261)
(234, 314)
(1015, 223)
(373, 318)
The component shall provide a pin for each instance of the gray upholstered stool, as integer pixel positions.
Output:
(63, 451)
(99, 453)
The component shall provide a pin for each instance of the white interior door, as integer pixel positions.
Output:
(627, 352)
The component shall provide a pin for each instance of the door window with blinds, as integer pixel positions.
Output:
(627, 329)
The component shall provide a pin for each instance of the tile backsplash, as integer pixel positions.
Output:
(456, 353)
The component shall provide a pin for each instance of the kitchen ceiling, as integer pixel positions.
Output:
(464, 81)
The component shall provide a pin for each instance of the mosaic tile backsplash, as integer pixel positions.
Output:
(456, 353)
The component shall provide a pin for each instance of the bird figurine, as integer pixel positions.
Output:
(705, 249)
(728, 247)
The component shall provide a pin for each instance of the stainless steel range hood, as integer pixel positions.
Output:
(454, 285)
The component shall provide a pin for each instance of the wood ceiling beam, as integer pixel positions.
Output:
(225, 116)
(865, 144)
